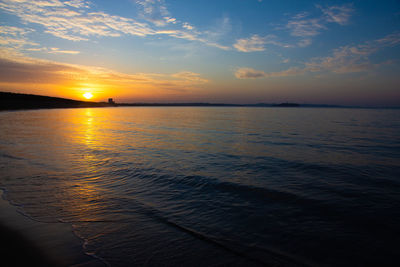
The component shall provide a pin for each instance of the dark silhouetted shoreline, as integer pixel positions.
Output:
(15, 101)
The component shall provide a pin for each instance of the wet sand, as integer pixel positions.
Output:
(25, 242)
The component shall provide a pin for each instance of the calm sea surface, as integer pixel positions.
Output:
(210, 186)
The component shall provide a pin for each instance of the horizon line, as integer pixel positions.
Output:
(260, 104)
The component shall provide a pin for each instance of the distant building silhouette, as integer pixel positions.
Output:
(111, 101)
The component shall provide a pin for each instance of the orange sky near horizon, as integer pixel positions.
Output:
(50, 78)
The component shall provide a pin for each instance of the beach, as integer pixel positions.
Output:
(26, 242)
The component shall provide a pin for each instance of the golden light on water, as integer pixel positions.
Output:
(88, 95)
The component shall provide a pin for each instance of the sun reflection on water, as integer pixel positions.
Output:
(87, 196)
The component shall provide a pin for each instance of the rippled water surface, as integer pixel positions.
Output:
(201, 186)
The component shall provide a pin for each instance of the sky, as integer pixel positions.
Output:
(220, 51)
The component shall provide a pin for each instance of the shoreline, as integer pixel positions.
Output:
(33, 243)
(16, 101)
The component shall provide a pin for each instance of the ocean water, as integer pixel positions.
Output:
(212, 186)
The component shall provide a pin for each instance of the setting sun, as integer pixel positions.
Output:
(88, 95)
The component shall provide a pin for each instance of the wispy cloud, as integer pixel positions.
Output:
(387, 41)
(72, 23)
(156, 12)
(75, 21)
(77, 3)
(254, 43)
(15, 37)
(337, 14)
(55, 50)
(304, 42)
(250, 73)
(192, 37)
(13, 31)
(346, 59)
(343, 60)
(257, 43)
(187, 26)
(305, 26)
(190, 76)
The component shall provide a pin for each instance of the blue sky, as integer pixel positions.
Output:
(242, 51)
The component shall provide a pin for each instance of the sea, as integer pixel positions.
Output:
(211, 186)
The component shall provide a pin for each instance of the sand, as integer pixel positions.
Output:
(25, 242)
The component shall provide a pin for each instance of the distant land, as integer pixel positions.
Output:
(208, 105)
(17, 101)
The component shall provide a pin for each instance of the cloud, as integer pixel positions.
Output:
(345, 59)
(337, 14)
(187, 26)
(190, 76)
(73, 20)
(15, 37)
(73, 24)
(55, 50)
(222, 27)
(192, 37)
(257, 43)
(77, 3)
(249, 73)
(304, 42)
(156, 12)
(348, 59)
(170, 20)
(254, 43)
(304, 26)
(387, 41)
(14, 31)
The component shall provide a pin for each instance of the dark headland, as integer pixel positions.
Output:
(14, 101)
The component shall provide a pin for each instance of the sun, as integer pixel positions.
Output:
(88, 95)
